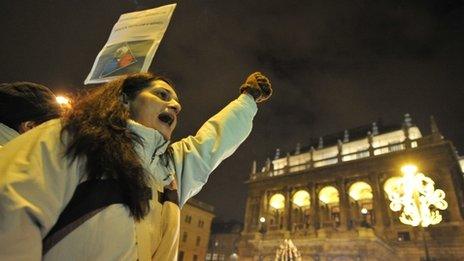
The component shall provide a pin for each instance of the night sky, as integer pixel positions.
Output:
(334, 65)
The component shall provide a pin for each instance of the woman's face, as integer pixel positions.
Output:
(157, 107)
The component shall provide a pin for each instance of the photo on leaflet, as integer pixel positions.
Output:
(122, 58)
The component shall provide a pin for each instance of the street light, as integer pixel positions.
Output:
(364, 213)
(415, 194)
(262, 230)
(262, 225)
(62, 100)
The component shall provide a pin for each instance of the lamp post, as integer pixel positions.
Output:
(262, 230)
(364, 213)
(415, 194)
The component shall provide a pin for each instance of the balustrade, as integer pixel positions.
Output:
(339, 158)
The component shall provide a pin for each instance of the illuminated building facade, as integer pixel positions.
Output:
(195, 228)
(332, 202)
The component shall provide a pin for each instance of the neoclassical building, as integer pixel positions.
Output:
(331, 198)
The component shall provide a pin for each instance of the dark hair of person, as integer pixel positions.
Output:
(97, 131)
(26, 101)
(16, 125)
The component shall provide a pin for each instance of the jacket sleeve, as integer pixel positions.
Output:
(195, 157)
(36, 183)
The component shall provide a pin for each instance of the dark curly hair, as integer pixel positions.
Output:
(97, 128)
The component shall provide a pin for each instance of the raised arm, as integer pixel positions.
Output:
(195, 157)
(36, 182)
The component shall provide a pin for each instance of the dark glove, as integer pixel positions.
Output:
(258, 86)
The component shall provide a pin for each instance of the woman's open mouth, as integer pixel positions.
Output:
(166, 117)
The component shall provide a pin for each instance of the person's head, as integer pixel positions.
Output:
(152, 102)
(98, 130)
(24, 105)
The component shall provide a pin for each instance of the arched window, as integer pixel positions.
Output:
(360, 191)
(277, 201)
(330, 209)
(301, 198)
(277, 206)
(361, 204)
(329, 195)
(300, 217)
(393, 185)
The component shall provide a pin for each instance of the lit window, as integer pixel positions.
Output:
(360, 190)
(277, 201)
(301, 198)
(395, 147)
(329, 195)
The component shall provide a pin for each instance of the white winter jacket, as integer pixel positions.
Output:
(36, 183)
(6, 134)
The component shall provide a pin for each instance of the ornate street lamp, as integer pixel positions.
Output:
(262, 225)
(415, 194)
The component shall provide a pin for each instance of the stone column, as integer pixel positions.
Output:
(314, 206)
(288, 209)
(382, 218)
(344, 205)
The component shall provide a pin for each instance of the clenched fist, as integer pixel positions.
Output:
(258, 86)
